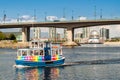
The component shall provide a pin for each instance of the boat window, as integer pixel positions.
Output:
(48, 44)
(47, 52)
(60, 51)
(36, 52)
(41, 52)
(40, 45)
(19, 53)
(54, 52)
(31, 53)
(24, 53)
(36, 44)
(32, 44)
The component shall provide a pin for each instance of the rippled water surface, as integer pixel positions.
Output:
(88, 62)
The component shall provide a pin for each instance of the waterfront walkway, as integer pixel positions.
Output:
(11, 44)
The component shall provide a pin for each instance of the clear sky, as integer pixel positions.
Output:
(110, 8)
(88, 8)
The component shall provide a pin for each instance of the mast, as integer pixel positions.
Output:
(72, 14)
(4, 16)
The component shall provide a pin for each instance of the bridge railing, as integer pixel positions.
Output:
(24, 22)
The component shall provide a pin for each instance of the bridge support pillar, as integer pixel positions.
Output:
(25, 34)
(70, 38)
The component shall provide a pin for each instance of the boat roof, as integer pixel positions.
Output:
(36, 41)
(24, 49)
(39, 41)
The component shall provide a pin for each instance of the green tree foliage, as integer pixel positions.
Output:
(7, 37)
(2, 36)
(12, 37)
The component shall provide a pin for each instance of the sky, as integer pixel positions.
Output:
(26, 9)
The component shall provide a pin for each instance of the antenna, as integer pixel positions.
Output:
(72, 14)
(45, 16)
(4, 16)
(18, 19)
(34, 29)
(34, 14)
(63, 12)
(100, 13)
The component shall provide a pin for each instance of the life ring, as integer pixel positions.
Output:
(54, 46)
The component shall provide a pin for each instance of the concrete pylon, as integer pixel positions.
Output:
(25, 34)
(70, 38)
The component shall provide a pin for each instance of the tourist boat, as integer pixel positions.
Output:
(40, 54)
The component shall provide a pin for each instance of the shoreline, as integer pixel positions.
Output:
(111, 43)
(14, 45)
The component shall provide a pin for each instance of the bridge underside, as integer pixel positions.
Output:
(70, 38)
(71, 25)
(25, 34)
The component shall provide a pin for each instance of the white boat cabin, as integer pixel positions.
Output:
(36, 44)
(37, 48)
(30, 52)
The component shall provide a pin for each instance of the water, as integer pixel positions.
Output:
(88, 62)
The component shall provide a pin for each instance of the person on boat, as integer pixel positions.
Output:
(24, 53)
(40, 45)
(41, 52)
(31, 53)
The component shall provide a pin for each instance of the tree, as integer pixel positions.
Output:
(2, 36)
(12, 37)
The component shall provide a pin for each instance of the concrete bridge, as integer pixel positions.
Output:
(69, 25)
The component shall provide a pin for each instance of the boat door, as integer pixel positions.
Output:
(47, 50)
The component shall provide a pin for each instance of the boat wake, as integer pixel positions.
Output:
(20, 66)
(93, 62)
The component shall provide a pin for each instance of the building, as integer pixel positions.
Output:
(52, 34)
(86, 32)
(78, 37)
(65, 34)
(36, 33)
(104, 33)
(58, 36)
(94, 37)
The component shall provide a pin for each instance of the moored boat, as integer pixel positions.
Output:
(40, 54)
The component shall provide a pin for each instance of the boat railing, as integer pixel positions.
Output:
(36, 44)
(56, 50)
(30, 52)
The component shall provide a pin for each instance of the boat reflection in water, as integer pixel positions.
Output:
(45, 73)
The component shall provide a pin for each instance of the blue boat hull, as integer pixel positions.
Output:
(40, 64)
